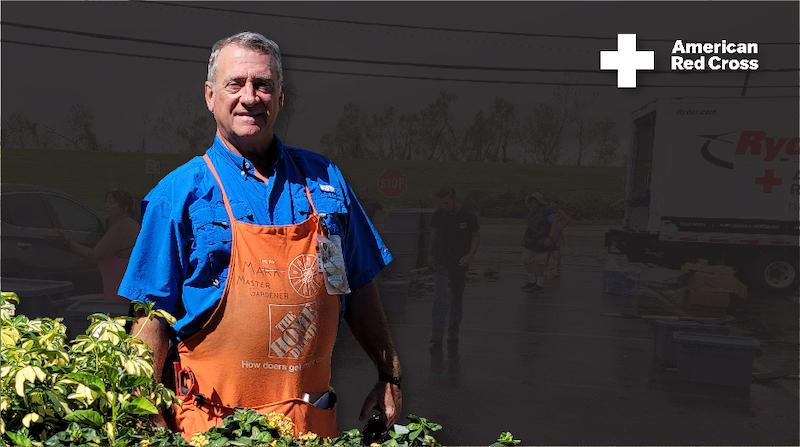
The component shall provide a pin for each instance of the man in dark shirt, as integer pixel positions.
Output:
(453, 244)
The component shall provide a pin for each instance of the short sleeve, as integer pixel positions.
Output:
(156, 267)
(364, 252)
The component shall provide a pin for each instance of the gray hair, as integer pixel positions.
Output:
(251, 41)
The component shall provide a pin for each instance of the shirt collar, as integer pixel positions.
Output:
(239, 162)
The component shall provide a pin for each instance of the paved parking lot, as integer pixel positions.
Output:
(553, 368)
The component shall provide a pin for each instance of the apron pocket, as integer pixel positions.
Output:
(191, 419)
(317, 420)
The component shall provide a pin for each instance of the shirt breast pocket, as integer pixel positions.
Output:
(210, 225)
(329, 202)
(212, 233)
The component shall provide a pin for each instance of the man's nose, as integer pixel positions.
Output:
(249, 96)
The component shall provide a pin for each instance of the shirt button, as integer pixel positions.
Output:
(215, 281)
(244, 174)
(246, 165)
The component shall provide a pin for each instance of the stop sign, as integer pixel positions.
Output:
(392, 183)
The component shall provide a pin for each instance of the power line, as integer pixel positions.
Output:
(381, 75)
(414, 27)
(102, 35)
(293, 55)
(113, 53)
(347, 60)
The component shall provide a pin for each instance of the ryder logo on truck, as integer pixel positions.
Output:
(754, 143)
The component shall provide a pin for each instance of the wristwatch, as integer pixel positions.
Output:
(387, 378)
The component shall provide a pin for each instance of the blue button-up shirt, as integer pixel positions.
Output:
(181, 256)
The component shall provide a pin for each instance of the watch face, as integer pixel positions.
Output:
(389, 379)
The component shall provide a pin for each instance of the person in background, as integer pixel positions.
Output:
(371, 207)
(560, 222)
(114, 249)
(537, 241)
(454, 241)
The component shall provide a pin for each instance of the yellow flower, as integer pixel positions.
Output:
(144, 442)
(282, 423)
(308, 436)
(375, 444)
(198, 440)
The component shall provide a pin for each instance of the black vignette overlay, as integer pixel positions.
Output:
(592, 206)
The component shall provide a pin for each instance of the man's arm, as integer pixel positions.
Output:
(154, 333)
(474, 243)
(364, 314)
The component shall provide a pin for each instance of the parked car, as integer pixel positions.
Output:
(30, 214)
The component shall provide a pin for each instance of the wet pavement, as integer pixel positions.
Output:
(553, 368)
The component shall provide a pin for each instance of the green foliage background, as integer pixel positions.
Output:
(495, 190)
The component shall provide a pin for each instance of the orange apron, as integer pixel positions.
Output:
(271, 336)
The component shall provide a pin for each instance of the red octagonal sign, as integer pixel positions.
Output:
(392, 183)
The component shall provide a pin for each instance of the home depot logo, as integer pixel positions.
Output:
(293, 329)
(755, 143)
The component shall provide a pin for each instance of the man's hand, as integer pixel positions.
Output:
(465, 261)
(159, 420)
(387, 398)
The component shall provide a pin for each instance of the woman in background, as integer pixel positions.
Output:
(114, 249)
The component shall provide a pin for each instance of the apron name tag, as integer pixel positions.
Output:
(331, 263)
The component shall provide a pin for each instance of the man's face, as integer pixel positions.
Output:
(245, 98)
(448, 203)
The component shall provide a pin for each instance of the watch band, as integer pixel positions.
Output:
(386, 378)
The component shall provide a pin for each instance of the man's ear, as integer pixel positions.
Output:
(209, 95)
(282, 98)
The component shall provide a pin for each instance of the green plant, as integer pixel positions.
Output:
(506, 439)
(97, 390)
(418, 432)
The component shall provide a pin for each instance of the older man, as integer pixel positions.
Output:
(259, 249)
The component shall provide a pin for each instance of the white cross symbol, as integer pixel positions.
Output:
(626, 60)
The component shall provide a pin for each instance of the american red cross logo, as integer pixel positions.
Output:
(768, 180)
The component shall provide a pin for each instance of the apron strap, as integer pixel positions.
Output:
(222, 188)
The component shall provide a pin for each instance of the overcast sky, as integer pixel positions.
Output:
(44, 83)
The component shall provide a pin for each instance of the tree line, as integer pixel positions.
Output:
(501, 133)
(548, 133)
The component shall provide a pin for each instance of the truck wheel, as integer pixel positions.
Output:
(775, 273)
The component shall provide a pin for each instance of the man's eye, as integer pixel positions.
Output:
(266, 88)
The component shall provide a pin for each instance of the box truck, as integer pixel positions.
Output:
(715, 179)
